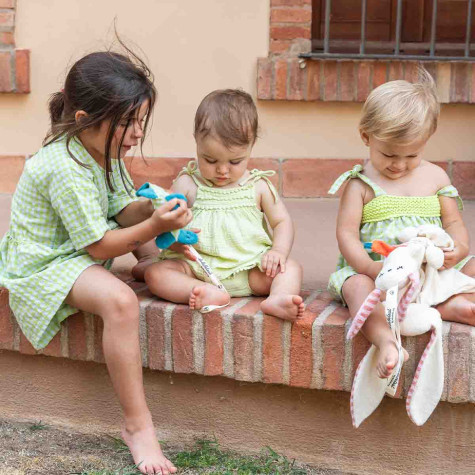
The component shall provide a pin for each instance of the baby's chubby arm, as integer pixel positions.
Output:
(282, 228)
(187, 187)
(348, 230)
(453, 224)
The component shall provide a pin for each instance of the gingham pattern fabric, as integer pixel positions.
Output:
(384, 217)
(59, 208)
(234, 234)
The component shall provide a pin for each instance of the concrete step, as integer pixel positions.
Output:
(315, 244)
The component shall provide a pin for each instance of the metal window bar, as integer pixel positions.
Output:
(397, 44)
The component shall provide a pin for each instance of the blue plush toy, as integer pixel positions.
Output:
(159, 196)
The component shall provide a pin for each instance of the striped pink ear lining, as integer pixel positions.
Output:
(408, 296)
(364, 312)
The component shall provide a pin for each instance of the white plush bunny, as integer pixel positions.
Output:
(412, 266)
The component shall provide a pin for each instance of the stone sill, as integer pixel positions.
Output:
(15, 71)
(289, 78)
(241, 343)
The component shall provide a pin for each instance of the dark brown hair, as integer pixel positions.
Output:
(228, 114)
(107, 86)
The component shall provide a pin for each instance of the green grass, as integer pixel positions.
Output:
(38, 426)
(208, 458)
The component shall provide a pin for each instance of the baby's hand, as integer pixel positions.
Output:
(165, 218)
(271, 261)
(453, 257)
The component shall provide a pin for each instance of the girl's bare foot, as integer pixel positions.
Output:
(288, 307)
(459, 308)
(207, 294)
(388, 358)
(146, 451)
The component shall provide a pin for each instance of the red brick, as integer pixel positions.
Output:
(77, 336)
(155, 317)
(182, 337)
(363, 82)
(463, 178)
(458, 370)
(360, 347)
(25, 346)
(279, 46)
(98, 332)
(22, 68)
(460, 82)
(308, 177)
(411, 71)
(12, 168)
(6, 321)
(5, 72)
(54, 347)
(347, 81)
(250, 309)
(290, 3)
(289, 32)
(301, 353)
(380, 70)
(313, 80)
(214, 345)
(330, 80)
(264, 78)
(7, 19)
(7, 3)
(243, 338)
(160, 171)
(7, 38)
(472, 91)
(280, 79)
(395, 70)
(296, 81)
(272, 350)
(267, 164)
(290, 15)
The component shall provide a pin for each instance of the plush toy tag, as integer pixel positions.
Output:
(393, 322)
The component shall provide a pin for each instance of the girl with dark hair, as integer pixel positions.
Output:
(73, 211)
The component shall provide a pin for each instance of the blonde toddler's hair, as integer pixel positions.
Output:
(400, 111)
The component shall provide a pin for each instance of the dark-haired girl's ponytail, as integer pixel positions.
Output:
(56, 107)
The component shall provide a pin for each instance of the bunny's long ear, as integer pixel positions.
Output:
(364, 312)
(380, 247)
(406, 299)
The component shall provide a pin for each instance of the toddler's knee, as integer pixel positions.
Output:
(122, 305)
(358, 281)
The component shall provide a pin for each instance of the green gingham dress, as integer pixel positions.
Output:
(384, 217)
(59, 208)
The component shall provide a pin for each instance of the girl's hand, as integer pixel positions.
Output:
(165, 218)
(184, 248)
(271, 261)
(453, 257)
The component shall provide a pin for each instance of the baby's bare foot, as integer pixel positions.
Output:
(460, 308)
(146, 451)
(288, 307)
(138, 271)
(388, 358)
(207, 294)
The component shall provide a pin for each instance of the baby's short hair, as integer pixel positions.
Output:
(230, 115)
(402, 111)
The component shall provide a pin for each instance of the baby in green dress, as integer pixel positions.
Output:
(395, 189)
(231, 206)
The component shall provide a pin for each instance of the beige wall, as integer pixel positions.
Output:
(192, 47)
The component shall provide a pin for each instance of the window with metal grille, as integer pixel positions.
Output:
(393, 29)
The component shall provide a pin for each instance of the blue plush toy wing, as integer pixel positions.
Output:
(146, 191)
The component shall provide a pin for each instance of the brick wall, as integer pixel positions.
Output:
(14, 63)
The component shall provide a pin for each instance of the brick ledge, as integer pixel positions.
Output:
(243, 344)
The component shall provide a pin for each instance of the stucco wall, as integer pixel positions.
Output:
(192, 47)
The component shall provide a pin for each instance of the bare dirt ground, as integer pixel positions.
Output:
(33, 448)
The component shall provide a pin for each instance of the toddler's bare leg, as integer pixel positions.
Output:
(173, 280)
(284, 300)
(97, 291)
(460, 308)
(376, 328)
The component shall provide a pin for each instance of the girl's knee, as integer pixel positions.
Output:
(121, 306)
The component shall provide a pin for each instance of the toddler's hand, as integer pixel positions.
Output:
(453, 257)
(184, 248)
(271, 261)
(165, 218)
